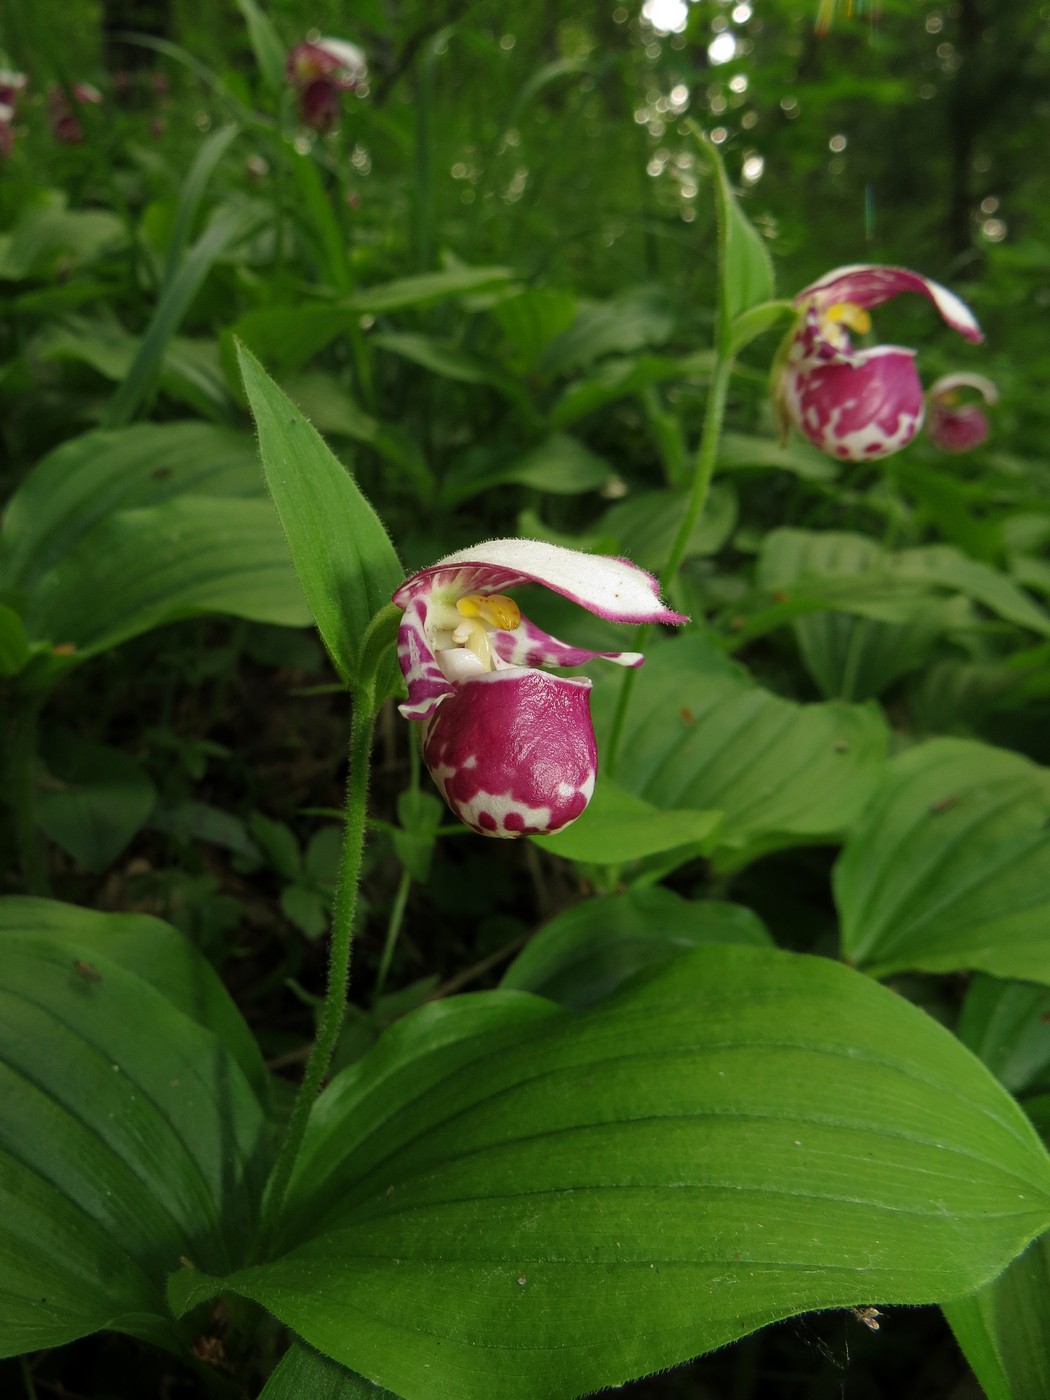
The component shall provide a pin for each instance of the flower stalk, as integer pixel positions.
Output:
(333, 1010)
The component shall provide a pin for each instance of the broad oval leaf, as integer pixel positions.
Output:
(1006, 1024)
(345, 561)
(701, 733)
(588, 950)
(879, 627)
(1003, 1329)
(576, 1199)
(304, 1374)
(645, 524)
(137, 569)
(949, 866)
(90, 477)
(130, 1134)
(95, 799)
(618, 827)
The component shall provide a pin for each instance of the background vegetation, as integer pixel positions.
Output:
(492, 288)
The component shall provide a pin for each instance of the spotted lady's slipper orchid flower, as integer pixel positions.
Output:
(65, 125)
(510, 746)
(319, 71)
(857, 405)
(12, 85)
(954, 425)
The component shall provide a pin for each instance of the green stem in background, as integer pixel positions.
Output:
(393, 931)
(703, 471)
(334, 1007)
(27, 1378)
(744, 310)
(397, 913)
(21, 778)
(706, 457)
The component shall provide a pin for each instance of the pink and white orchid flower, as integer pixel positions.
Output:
(510, 746)
(857, 405)
(955, 426)
(320, 70)
(65, 125)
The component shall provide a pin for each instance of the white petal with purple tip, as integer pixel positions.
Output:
(614, 589)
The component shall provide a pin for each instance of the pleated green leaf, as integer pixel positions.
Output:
(617, 827)
(588, 950)
(138, 569)
(950, 865)
(1003, 1330)
(304, 1374)
(131, 1136)
(90, 477)
(1008, 1025)
(701, 734)
(505, 1200)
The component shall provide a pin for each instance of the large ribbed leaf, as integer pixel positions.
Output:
(131, 1136)
(701, 734)
(88, 478)
(137, 569)
(950, 865)
(585, 952)
(878, 630)
(509, 1199)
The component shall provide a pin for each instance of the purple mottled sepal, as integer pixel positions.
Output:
(858, 411)
(513, 751)
(867, 285)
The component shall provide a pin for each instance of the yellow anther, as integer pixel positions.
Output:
(494, 608)
(848, 313)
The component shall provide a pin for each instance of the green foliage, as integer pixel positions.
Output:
(523, 286)
(948, 867)
(602, 1164)
(343, 556)
(137, 1137)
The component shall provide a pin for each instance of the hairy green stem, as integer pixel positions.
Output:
(334, 1007)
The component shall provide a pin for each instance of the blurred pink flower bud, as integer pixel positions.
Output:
(953, 424)
(320, 71)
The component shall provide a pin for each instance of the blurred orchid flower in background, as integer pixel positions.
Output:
(65, 126)
(511, 747)
(320, 70)
(12, 85)
(857, 405)
(955, 425)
